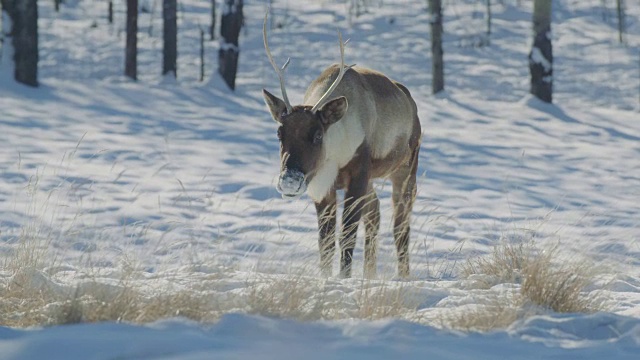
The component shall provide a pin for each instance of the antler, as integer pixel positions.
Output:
(279, 71)
(333, 86)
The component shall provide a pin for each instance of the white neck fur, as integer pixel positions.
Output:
(341, 142)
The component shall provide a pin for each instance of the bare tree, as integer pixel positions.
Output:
(1, 30)
(541, 55)
(24, 36)
(212, 27)
(489, 17)
(232, 21)
(110, 12)
(170, 36)
(437, 80)
(131, 51)
(201, 54)
(621, 23)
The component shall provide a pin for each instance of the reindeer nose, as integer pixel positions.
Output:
(291, 183)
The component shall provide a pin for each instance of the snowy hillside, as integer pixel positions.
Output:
(164, 190)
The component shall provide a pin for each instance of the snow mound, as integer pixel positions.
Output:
(238, 336)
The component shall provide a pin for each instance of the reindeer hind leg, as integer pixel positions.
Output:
(371, 218)
(404, 192)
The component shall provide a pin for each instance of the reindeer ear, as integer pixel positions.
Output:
(333, 110)
(276, 106)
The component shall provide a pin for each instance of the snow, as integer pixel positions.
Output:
(238, 336)
(538, 58)
(176, 179)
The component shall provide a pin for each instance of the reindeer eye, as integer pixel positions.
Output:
(317, 137)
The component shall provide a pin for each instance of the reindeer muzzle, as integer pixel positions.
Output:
(291, 184)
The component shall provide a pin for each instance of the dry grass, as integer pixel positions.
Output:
(23, 299)
(504, 265)
(287, 296)
(29, 297)
(31, 250)
(379, 300)
(309, 298)
(558, 284)
(27, 289)
(539, 280)
(500, 312)
(546, 280)
(132, 306)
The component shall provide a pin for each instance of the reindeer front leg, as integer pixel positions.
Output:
(371, 220)
(355, 198)
(326, 211)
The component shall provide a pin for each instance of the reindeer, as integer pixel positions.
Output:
(355, 125)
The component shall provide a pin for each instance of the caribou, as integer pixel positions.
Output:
(355, 125)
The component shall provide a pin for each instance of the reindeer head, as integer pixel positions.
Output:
(302, 128)
(301, 133)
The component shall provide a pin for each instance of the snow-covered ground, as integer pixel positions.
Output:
(238, 336)
(176, 179)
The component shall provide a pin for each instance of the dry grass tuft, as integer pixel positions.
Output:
(501, 311)
(23, 306)
(287, 296)
(559, 284)
(504, 265)
(308, 298)
(31, 298)
(31, 250)
(132, 306)
(381, 300)
(24, 297)
(546, 282)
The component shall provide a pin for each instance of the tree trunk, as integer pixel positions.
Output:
(8, 6)
(110, 10)
(24, 15)
(437, 80)
(1, 31)
(212, 27)
(201, 55)
(489, 16)
(170, 36)
(229, 32)
(131, 52)
(541, 55)
(621, 23)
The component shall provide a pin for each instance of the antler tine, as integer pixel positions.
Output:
(279, 71)
(333, 86)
